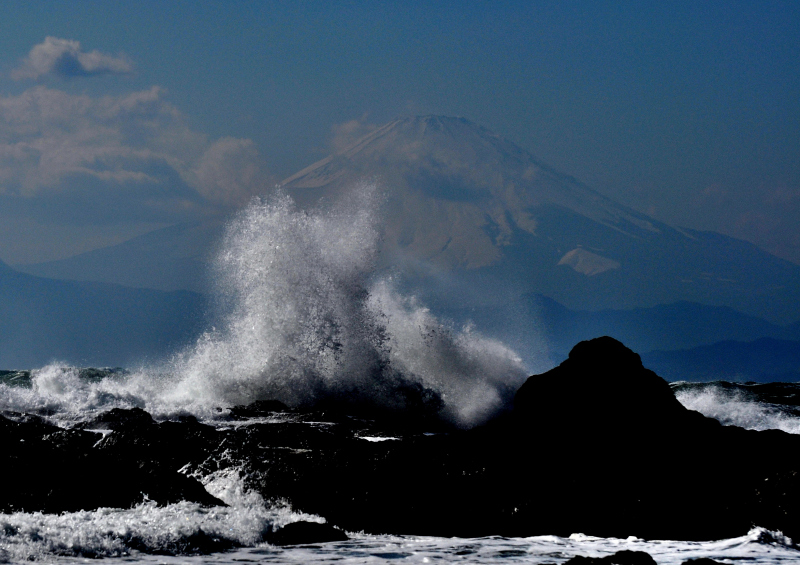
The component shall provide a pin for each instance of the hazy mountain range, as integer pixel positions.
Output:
(172, 258)
(483, 231)
(677, 326)
(763, 360)
(91, 324)
(101, 324)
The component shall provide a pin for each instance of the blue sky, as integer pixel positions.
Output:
(168, 111)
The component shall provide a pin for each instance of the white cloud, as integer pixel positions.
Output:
(137, 147)
(228, 174)
(64, 58)
(345, 134)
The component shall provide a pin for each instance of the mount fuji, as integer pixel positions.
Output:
(481, 218)
(481, 230)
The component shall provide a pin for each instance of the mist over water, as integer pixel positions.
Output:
(307, 321)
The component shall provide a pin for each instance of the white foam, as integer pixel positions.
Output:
(58, 389)
(307, 319)
(732, 408)
(108, 532)
(759, 545)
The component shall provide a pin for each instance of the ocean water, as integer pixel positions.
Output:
(304, 318)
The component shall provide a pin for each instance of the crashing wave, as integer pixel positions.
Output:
(740, 405)
(305, 321)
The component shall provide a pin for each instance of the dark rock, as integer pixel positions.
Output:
(185, 419)
(304, 533)
(196, 543)
(601, 389)
(57, 470)
(598, 445)
(624, 557)
(119, 418)
(258, 408)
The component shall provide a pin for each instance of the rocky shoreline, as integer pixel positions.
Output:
(598, 445)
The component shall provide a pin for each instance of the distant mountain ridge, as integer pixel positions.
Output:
(762, 360)
(543, 331)
(91, 324)
(171, 258)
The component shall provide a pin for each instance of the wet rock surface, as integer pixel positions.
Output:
(624, 557)
(53, 470)
(598, 445)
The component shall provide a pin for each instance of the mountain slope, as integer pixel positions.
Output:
(171, 258)
(465, 202)
(461, 190)
(91, 324)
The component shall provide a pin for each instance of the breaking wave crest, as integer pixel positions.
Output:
(306, 321)
(309, 322)
(734, 405)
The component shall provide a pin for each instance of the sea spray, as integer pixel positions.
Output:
(305, 320)
(474, 375)
(70, 394)
(309, 321)
(739, 405)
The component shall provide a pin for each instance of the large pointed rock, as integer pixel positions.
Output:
(602, 384)
(618, 455)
